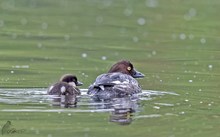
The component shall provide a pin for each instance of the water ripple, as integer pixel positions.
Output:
(39, 95)
(55, 110)
(120, 109)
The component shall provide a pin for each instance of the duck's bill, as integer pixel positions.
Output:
(137, 74)
(79, 83)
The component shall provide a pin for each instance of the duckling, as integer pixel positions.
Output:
(66, 87)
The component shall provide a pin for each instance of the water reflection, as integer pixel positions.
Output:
(18, 96)
(121, 110)
(63, 101)
(121, 116)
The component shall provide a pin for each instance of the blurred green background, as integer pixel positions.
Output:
(42, 39)
(175, 43)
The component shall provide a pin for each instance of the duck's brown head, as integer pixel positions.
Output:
(126, 67)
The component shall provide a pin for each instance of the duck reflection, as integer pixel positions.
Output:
(123, 110)
(64, 101)
(121, 116)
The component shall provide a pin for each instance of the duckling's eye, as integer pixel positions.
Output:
(128, 68)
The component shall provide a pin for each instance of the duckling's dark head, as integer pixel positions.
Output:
(69, 78)
(126, 67)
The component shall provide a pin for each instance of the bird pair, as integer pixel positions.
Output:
(118, 82)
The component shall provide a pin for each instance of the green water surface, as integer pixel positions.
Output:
(175, 43)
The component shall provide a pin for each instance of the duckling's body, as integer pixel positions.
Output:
(61, 88)
(66, 87)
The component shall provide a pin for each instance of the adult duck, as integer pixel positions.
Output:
(118, 82)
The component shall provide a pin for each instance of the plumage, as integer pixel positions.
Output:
(66, 87)
(118, 82)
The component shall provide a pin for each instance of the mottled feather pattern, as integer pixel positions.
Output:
(118, 82)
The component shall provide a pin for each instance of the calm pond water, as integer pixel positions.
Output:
(175, 43)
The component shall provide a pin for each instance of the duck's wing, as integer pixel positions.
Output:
(112, 79)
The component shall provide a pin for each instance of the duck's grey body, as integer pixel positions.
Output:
(113, 85)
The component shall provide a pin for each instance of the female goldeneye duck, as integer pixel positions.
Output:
(118, 82)
(66, 87)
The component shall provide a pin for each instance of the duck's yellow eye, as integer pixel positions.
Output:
(128, 68)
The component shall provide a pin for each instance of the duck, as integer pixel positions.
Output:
(66, 87)
(118, 82)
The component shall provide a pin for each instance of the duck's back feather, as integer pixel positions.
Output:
(112, 85)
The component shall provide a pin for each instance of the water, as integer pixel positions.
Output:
(29, 97)
(174, 43)
(121, 110)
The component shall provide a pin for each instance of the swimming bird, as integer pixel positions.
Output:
(118, 82)
(66, 87)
